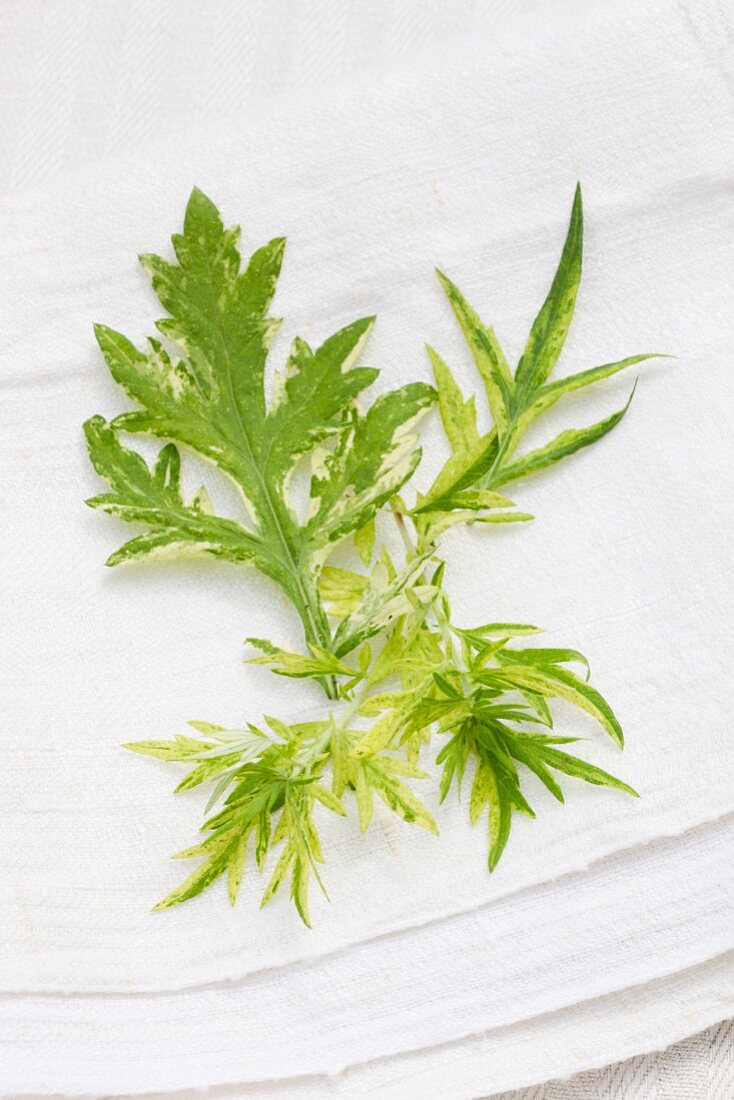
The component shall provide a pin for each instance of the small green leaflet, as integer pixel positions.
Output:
(487, 354)
(550, 327)
(378, 634)
(550, 680)
(320, 663)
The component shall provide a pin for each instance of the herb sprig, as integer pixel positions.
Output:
(380, 639)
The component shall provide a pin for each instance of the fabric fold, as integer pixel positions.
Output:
(555, 1046)
(630, 921)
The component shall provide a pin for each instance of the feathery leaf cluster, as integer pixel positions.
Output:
(379, 638)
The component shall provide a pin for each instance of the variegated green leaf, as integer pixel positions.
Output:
(400, 799)
(236, 868)
(494, 789)
(489, 462)
(480, 791)
(328, 798)
(544, 656)
(540, 707)
(558, 683)
(211, 398)
(499, 821)
(550, 328)
(474, 500)
(538, 755)
(278, 875)
(204, 875)
(319, 389)
(342, 589)
(364, 541)
(383, 600)
(179, 748)
(365, 801)
(565, 444)
(458, 416)
(581, 769)
(376, 457)
(388, 728)
(547, 396)
(463, 470)
(154, 498)
(532, 761)
(321, 663)
(498, 630)
(504, 517)
(487, 353)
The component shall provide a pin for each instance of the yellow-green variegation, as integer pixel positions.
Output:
(379, 634)
(485, 462)
(210, 397)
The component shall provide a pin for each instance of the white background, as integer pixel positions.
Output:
(83, 79)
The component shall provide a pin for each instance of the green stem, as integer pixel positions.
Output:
(442, 619)
(316, 629)
(308, 605)
(504, 449)
(335, 725)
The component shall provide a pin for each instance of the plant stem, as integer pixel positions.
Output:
(335, 725)
(439, 612)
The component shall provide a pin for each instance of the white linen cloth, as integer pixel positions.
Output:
(583, 1035)
(85, 79)
(632, 920)
(462, 160)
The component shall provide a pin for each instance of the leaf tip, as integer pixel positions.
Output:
(443, 279)
(198, 198)
(92, 423)
(147, 261)
(278, 245)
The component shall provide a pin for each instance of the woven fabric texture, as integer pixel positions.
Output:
(87, 79)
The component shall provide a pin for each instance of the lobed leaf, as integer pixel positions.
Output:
(379, 774)
(482, 464)
(552, 392)
(538, 755)
(375, 459)
(154, 498)
(211, 398)
(285, 663)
